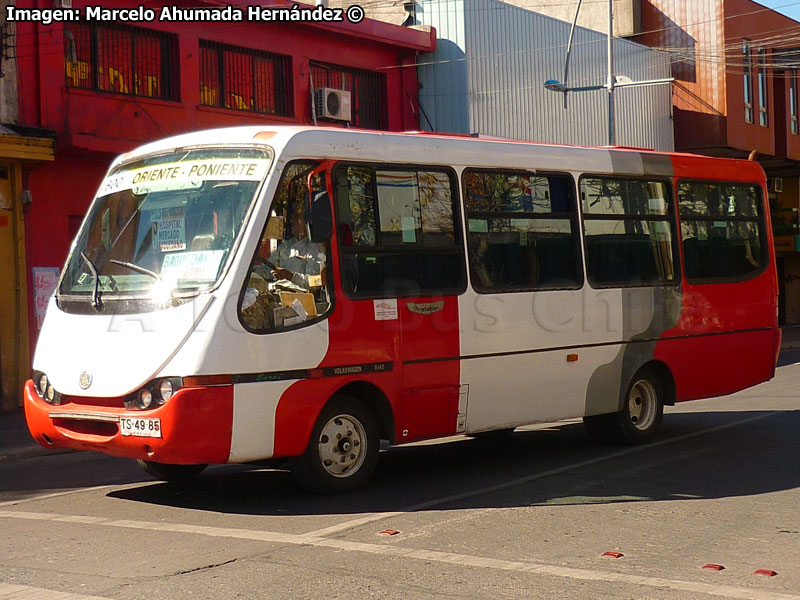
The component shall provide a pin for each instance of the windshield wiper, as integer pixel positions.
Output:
(134, 267)
(97, 303)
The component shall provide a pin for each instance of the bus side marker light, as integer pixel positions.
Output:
(315, 373)
(766, 572)
(207, 380)
(388, 532)
(613, 554)
(572, 358)
(713, 567)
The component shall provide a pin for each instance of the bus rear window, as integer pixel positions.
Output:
(722, 230)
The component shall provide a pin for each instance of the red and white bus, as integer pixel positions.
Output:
(250, 293)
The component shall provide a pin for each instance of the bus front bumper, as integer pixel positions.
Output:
(194, 426)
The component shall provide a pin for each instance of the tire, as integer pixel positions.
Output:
(642, 410)
(599, 428)
(171, 473)
(342, 451)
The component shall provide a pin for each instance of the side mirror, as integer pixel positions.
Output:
(321, 221)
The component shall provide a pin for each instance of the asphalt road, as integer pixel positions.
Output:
(527, 516)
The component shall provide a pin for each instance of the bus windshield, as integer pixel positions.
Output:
(162, 227)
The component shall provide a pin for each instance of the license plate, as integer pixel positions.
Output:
(140, 427)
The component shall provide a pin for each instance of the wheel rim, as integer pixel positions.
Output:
(642, 405)
(342, 446)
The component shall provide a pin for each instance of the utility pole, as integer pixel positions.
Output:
(610, 81)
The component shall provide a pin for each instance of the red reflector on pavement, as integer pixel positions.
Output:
(388, 532)
(766, 572)
(711, 567)
(613, 554)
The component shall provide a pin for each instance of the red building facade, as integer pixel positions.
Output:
(107, 87)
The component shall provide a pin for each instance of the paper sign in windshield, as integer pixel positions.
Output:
(169, 228)
(192, 266)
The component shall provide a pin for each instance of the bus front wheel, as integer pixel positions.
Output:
(343, 449)
(171, 473)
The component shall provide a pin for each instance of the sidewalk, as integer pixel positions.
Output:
(791, 337)
(16, 442)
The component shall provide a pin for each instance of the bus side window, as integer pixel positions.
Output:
(287, 282)
(628, 231)
(521, 231)
(397, 231)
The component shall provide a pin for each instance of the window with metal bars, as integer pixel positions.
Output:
(762, 88)
(367, 92)
(748, 81)
(793, 101)
(243, 79)
(121, 59)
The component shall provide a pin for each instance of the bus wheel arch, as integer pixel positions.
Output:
(667, 380)
(377, 402)
(342, 450)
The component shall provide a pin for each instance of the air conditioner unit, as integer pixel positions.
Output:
(777, 184)
(330, 103)
(62, 3)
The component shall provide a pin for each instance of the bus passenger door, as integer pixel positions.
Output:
(429, 344)
(402, 261)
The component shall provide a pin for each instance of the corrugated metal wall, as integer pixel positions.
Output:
(493, 59)
(443, 73)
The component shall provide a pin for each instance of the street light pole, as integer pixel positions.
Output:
(610, 81)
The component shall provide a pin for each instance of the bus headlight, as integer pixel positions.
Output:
(51, 393)
(154, 394)
(165, 389)
(41, 384)
(145, 398)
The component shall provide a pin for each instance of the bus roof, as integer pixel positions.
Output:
(447, 149)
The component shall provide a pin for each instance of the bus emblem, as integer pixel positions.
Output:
(425, 308)
(85, 380)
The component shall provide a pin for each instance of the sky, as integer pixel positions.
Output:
(790, 8)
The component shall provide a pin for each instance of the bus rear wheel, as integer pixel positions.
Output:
(171, 473)
(641, 414)
(343, 449)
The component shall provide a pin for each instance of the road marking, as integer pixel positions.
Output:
(24, 592)
(372, 517)
(395, 550)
